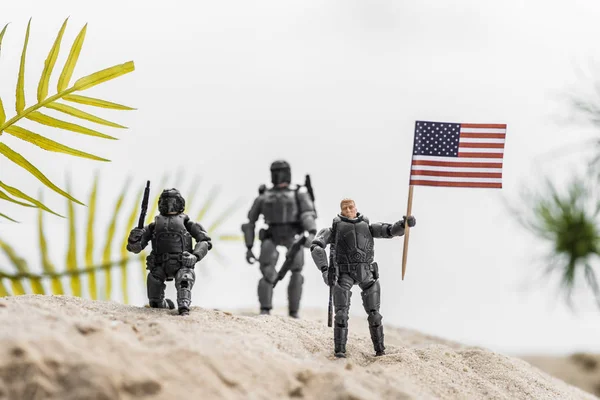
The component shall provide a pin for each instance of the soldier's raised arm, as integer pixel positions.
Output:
(385, 230)
(249, 227)
(139, 238)
(203, 241)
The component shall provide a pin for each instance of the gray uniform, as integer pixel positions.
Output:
(288, 212)
(173, 255)
(352, 242)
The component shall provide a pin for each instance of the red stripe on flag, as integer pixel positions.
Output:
(457, 184)
(457, 174)
(480, 155)
(482, 145)
(492, 126)
(458, 164)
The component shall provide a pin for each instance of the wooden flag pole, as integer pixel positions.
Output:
(407, 230)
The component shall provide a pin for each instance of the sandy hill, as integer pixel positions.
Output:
(55, 347)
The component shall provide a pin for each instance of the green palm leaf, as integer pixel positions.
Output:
(49, 64)
(89, 244)
(224, 216)
(21, 266)
(90, 101)
(212, 196)
(48, 144)
(2, 35)
(71, 261)
(17, 193)
(3, 291)
(22, 162)
(8, 218)
(82, 114)
(50, 121)
(192, 191)
(4, 196)
(63, 92)
(130, 224)
(47, 265)
(20, 103)
(67, 72)
(110, 236)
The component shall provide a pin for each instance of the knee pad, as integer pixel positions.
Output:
(374, 318)
(341, 318)
(185, 278)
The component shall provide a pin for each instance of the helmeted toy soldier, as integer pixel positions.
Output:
(173, 256)
(289, 211)
(352, 253)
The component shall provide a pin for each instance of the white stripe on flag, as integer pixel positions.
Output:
(455, 169)
(483, 130)
(480, 140)
(454, 179)
(458, 159)
(478, 150)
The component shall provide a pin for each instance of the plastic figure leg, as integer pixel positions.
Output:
(267, 259)
(295, 285)
(155, 286)
(341, 303)
(184, 281)
(371, 294)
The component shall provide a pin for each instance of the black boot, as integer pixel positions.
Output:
(294, 314)
(164, 303)
(377, 338)
(265, 311)
(340, 336)
(184, 311)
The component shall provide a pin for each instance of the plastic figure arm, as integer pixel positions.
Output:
(139, 238)
(203, 241)
(249, 227)
(307, 215)
(317, 249)
(386, 231)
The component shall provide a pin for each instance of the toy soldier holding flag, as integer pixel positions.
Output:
(351, 254)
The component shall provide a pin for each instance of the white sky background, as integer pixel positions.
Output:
(224, 88)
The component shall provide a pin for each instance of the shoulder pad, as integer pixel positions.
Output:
(262, 188)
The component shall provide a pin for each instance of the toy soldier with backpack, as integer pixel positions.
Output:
(351, 263)
(172, 255)
(289, 212)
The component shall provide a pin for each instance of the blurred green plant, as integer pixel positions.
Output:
(568, 224)
(74, 270)
(64, 91)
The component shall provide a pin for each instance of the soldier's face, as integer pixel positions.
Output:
(349, 209)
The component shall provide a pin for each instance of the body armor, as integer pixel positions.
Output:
(170, 235)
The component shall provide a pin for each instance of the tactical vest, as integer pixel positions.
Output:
(353, 241)
(171, 235)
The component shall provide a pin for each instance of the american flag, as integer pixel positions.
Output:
(457, 154)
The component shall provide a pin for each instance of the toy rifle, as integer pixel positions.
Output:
(289, 258)
(331, 277)
(144, 205)
(309, 188)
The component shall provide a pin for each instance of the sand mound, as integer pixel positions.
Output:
(55, 347)
(579, 369)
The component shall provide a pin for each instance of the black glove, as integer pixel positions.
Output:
(309, 239)
(189, 260)
(250, 256)
(325, 273)
(135, 235)
(412, 221)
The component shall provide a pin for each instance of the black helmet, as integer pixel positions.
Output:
(280, 172)
(170, 201)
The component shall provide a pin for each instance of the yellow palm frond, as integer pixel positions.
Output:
(106, 255)
(212, 196)
(65, 91)
(89, 243)
(71, 260)
(124, 253)
(47, 265)
(21, 265)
